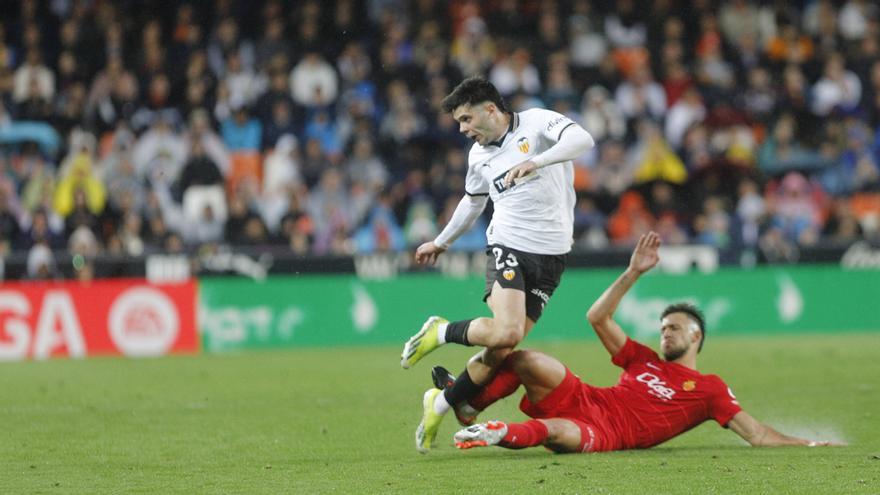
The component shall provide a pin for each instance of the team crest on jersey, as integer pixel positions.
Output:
(523, 144)
(508, 274)
(689, 385)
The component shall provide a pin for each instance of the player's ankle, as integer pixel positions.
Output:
(441, 405)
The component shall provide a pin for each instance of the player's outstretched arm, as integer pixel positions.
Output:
(468, 210)
(761, 435)
(601, 313)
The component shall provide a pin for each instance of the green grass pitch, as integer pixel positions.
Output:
(342, 421)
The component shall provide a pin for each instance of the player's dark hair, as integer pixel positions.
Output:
(693, 313)
(472, 91)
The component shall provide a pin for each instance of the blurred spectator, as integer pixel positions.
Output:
(750, 211)
(587, 47)
(241, 132)
(225, 40)
(790, 46)
(857, 168)
(654, 158)
(313, 81)
(281, 173)
(322, 129)
(159, 153)
(41, 263)
(10, 229)
(630, 220)
(279, 123)
(328, 206)
(685, 112)
(39, 190)
(759, 99)
(843, 226)
(112, 95)
(296, 228)
(589, 224)
(201, 129)
(472, 48)
(613, 174)
(601, 116)
(199, 169)
(712, 225)
(380, 233)
(82, 242)
(781, 152)
(871, 98)
(130, 234)
(838, 88)
(795, 209)
(624, 27)
(79, 190)
(33, 79)
(244, 84)
(514, 72)
(366, 167)
(640, 96)
(273, 42)
(855, 15)
(739, 19)
(420, 225)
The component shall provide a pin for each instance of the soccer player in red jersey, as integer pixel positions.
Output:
(656, 398)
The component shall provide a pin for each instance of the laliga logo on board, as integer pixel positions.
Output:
(143, 322)
(523, 144)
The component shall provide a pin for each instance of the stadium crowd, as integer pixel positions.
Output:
(131, 127)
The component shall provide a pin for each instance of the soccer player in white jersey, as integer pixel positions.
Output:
(522, 161)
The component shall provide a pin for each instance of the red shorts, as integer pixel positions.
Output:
(571, 400)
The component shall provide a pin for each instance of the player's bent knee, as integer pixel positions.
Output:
(506, 336)
(563, 436)
(526, 360)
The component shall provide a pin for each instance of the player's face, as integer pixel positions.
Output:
(677, 335)
(475, 122)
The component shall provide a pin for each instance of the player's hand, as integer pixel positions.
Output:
(816, 443)
(428, 253)
(645, 255)
(519, 171)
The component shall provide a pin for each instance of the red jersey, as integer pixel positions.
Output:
(653, 401)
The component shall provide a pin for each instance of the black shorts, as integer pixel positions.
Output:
(535, 274)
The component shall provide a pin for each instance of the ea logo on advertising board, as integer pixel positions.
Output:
(143, 322)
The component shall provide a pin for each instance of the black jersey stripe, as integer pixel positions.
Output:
(563, 130)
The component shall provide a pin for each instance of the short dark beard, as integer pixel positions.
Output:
(674, 354)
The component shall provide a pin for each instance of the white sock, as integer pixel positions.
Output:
(441, 333)
(440, 404)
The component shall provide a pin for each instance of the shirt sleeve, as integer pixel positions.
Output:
(633, 352)
(554, 124)
(724, 405)
(570, 139)
(474, 183)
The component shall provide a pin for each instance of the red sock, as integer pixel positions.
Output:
(522, 435)
(504, 383)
